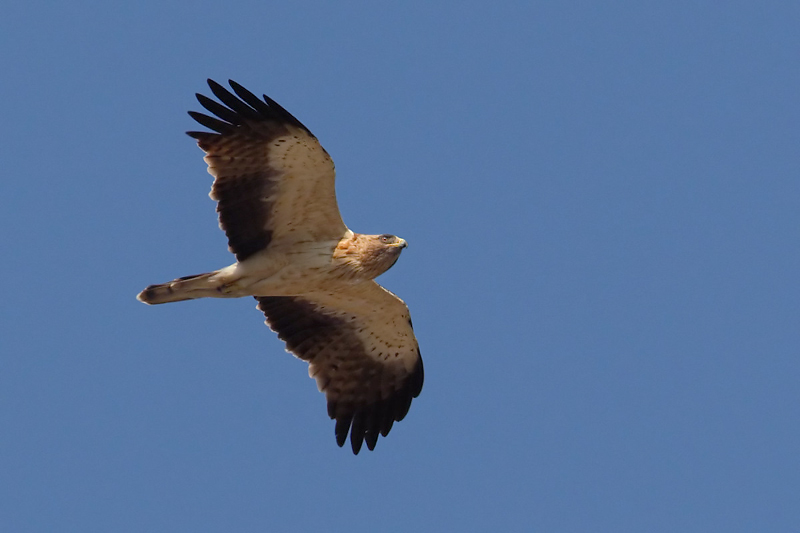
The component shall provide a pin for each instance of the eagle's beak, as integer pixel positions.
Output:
(401, 243)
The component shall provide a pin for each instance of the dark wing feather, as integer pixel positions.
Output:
(361, 350)
(220, 110)
(220, 126)
(232, 101)
(253, 101)
(273, 180)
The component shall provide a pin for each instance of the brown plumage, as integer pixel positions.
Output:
(313, 278)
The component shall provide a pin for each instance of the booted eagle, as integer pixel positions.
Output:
(313, 277)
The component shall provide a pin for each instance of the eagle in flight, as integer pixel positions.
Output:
(313, 277)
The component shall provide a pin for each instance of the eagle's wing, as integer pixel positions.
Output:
(362, 351)
(273, 181)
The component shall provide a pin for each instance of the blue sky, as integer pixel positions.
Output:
(602, 204)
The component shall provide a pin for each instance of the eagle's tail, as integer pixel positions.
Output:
(185, 288)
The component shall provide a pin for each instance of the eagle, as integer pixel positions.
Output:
(313, 278)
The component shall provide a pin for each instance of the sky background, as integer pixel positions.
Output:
(602, 204)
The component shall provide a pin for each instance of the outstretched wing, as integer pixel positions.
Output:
(273, 181)
(362, 351)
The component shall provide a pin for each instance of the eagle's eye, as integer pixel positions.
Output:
(387, 239)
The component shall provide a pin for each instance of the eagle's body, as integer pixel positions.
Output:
(288, 271)
(312, 276)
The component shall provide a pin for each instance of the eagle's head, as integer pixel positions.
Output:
(379, 252)
(362, 257)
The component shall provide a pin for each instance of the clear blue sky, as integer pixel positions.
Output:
(602, 201)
